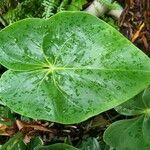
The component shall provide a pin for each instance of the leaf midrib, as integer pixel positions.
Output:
(101, 69)
(53, 69)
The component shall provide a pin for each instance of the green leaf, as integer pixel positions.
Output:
(59, 146)
(5, 112)
(69, 67)
(77, 5)
(140, 104)
(34, 143)
(90, 144)
(14, 143)
(131, 134)
(127, 135)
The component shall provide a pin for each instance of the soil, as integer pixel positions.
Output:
(135, 23)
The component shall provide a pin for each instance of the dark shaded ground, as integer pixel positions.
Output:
(53, 132)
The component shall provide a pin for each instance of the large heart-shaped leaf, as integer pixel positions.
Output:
(131, 134)
(69, 67)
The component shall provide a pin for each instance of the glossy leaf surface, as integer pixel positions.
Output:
(131, 133)
(69, 67)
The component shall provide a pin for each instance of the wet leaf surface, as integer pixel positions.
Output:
(71, 72)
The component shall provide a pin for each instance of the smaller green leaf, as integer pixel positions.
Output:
(131, 134)
(134, 106)
(146, 98)
(59, 146)
(90, 144)
(137, 105)
(34, 143)
(6, 113)
(15, 143)
(127, 135)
